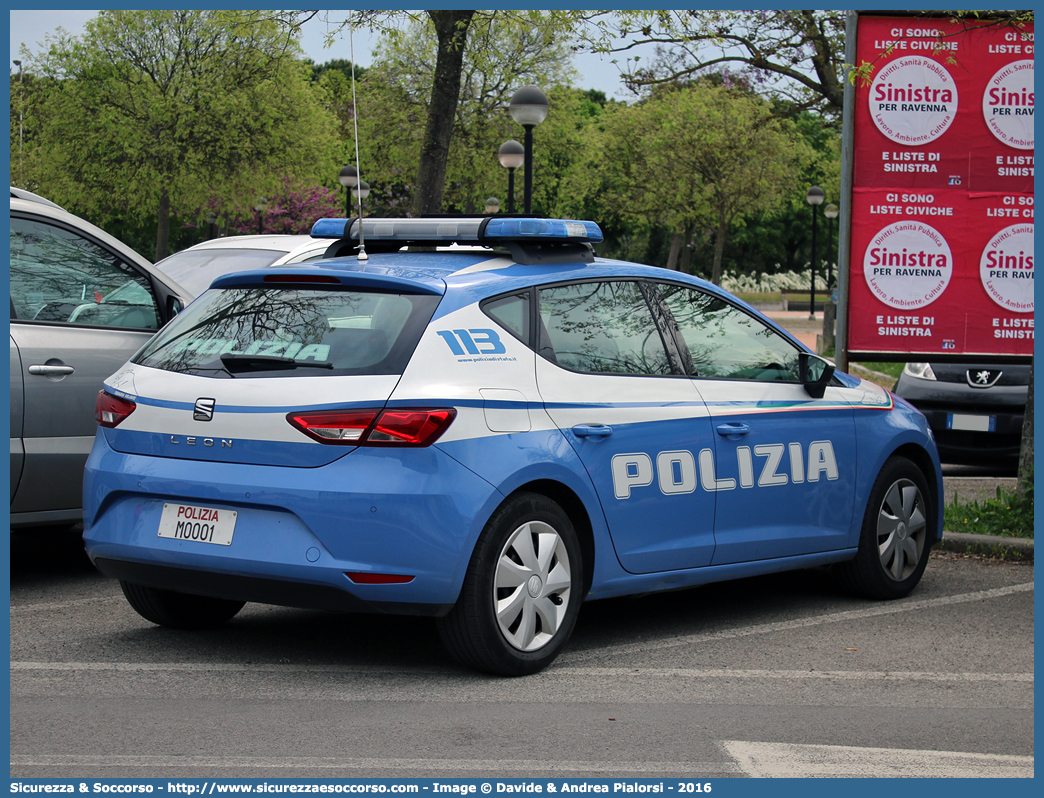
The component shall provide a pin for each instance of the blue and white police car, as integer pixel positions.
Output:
(489, 433)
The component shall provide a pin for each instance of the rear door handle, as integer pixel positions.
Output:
(733, 430)
(592, 430)
(51, 371)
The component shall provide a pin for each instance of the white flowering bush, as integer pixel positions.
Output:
(747, 283)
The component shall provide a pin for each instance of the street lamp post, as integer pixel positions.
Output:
(830, 309)
(349, 178)
(528, 108)
(814, 197)
(211, 219)
(262, 203)
(830, 212)
(511, 155)
(18, 64)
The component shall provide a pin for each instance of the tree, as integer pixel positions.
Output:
(451, 28)
(703, 157)
(154, 109)
(500, 56)
(293, 206)
(798, 55)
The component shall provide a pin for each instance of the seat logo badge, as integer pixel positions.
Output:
(204, 410)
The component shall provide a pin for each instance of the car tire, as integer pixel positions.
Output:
(522, 591)
(179, 610)
(897, 534)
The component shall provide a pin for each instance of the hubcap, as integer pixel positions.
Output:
(901, 528)
(531, 586)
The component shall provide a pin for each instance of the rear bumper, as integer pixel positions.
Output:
(257, 589)
(299, 531)
(940, 400)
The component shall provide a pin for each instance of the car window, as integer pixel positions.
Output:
(601, 327)
(59, 276)
(724, 342)
(197, 269)
(274, 332)
(511, 313)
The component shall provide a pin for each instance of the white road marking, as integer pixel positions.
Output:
(891, 608)
(551, 673)
(783, 760)
(456, 766)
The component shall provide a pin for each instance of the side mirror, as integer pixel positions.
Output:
(173, 306)
(815, 374)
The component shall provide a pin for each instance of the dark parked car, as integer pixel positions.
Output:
(975, 410)
(81, 304)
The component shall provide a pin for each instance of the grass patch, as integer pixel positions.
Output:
(891, 369)
(1007, 515)
(758, 296)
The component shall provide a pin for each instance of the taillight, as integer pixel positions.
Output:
(398, 427)
(111, 410)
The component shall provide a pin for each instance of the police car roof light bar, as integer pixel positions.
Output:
(488, 230)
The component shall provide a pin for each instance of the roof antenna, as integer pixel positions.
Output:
(355, 120)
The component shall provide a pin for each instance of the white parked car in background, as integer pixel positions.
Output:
(197, 267)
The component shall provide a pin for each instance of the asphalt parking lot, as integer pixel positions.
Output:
(774, 676)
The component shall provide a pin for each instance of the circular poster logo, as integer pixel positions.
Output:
(1007, 105)
(908, 265)
(913, 100)
(1006, 268)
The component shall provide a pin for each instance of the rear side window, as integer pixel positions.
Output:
(601, 328)
(277, 332)
(511, 313)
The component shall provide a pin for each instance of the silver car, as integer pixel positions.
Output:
(81, 304)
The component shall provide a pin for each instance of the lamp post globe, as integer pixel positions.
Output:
(528, 107)
(259, 206)
(511, 156)
(349, 178)
(492, 205)
(830, 212)
(814, 197)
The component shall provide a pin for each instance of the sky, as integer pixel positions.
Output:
(30, 28)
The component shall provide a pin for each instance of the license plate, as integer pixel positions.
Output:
(201, 524)
(971, 423)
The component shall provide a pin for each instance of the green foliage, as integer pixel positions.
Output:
(699, 160)
(501, 54)
(1007, 515)
(701, 174)
(154, 111)
(341, 65)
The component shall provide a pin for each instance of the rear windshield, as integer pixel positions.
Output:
(280, 332)
(197, 269)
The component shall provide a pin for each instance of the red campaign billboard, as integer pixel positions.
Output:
(941, 259)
